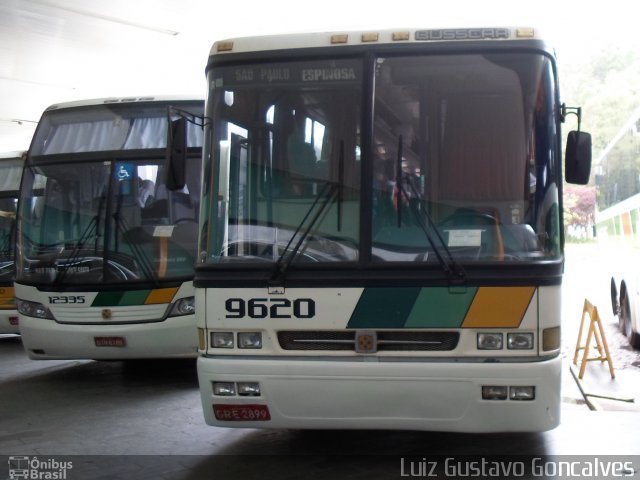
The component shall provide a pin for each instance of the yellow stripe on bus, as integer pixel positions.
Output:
(7, 300)
(162, 268)
(161, 295)
(498, 307)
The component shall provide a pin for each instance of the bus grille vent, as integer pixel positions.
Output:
(386, 340)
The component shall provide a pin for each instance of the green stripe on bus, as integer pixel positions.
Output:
(107, 299)
(134, 297)
(440, 307)
(120, 299)
(383, 308)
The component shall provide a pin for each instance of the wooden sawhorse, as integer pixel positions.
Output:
(598, 335)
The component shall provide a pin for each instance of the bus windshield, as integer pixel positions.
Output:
(94, 206)
(457, 156)
(10, 174)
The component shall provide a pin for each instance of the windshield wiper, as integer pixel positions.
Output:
(6, 249)
(340, 185)
(139, 254)
(451, 268)
(88, 232)
(324, 198)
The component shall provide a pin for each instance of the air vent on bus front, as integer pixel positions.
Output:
(386, 340)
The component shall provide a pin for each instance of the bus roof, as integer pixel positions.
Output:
(369, 37)
(122, 100)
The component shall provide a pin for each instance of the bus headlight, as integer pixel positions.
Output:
(249, 340)
(33, 309)
(494, 392)
(520, 341)
(184, 306)
(522, 393)
(489, 341)
(249, 389)
(225, 389)
(222, 339)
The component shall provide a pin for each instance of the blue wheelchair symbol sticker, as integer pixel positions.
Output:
(124, 171)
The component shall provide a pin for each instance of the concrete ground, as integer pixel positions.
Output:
(587, 275)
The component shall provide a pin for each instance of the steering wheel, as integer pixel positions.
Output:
(185, 220)
(468, 217)
(263, 252)
(260, 250)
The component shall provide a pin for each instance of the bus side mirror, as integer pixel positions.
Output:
(176, 160)
(577, 158)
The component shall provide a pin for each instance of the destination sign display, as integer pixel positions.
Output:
(298, 73)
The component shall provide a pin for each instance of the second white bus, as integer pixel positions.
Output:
(10, 174)
(105, 249)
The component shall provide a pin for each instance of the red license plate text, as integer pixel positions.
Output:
(242, 413)
(110, 341)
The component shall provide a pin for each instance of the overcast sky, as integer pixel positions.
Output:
(570, 23)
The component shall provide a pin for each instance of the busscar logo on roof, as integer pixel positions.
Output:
(463, 34)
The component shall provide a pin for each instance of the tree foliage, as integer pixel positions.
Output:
(578, 209)
(606, 86)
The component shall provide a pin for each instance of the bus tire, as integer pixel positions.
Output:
(625, 319)
(615, 304)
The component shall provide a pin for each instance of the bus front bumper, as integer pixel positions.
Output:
(174, 337)
(9, 322)
(399, 395)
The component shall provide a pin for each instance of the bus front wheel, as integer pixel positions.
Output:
(626, 323)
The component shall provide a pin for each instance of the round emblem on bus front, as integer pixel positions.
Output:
(366, 341)
(106, 314)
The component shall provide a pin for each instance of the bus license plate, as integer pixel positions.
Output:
(110, 341)
(242, 413)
